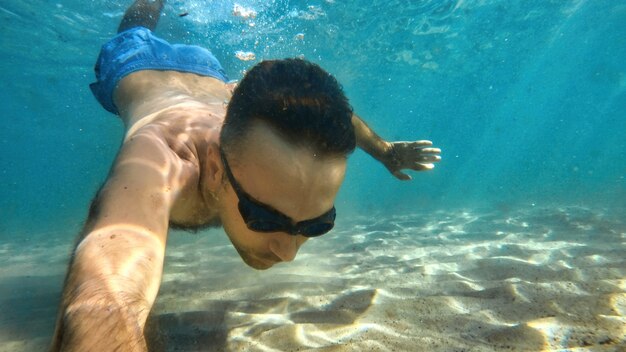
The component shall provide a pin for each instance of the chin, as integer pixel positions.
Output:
(257, 264)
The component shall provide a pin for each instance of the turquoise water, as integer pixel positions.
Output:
(527, 100)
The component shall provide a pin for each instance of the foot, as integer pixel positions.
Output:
(142, 13)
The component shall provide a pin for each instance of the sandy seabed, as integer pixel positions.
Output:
(533, 279)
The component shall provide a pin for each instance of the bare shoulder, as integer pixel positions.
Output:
(145, 180)
(185, 128)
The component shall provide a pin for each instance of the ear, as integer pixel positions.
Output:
(213, 168)
(230, 86)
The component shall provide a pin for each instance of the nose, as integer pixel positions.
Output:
(284, 246)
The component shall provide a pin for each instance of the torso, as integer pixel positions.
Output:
(188, 110)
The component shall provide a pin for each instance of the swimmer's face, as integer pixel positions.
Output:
(293, 181)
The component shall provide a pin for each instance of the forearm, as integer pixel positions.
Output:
(368, 140)
(109, 290)
(102, 323)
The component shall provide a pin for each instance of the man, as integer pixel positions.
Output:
(265, 161)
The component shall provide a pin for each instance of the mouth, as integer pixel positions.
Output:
(269, 261)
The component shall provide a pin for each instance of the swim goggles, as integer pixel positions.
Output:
(261, 217)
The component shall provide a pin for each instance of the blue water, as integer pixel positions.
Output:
(527, 99)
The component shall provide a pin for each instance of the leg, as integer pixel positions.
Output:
(142, 13)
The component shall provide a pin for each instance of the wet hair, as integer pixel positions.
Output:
(303, 103)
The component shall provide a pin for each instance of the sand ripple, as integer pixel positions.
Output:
(524, 280)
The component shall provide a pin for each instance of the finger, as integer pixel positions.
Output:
(402, 176)
(422, 166)
(430, 159)
(430, 150)
(412, 145)
(421, 144)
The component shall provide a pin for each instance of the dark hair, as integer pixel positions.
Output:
(299, 100)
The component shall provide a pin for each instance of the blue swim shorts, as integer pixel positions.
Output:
(138, 49)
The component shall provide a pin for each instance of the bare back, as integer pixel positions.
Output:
(184, 112)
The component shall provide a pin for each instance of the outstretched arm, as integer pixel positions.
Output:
(116, 267)
(396, 156)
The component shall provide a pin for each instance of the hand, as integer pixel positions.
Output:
(410, 155)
